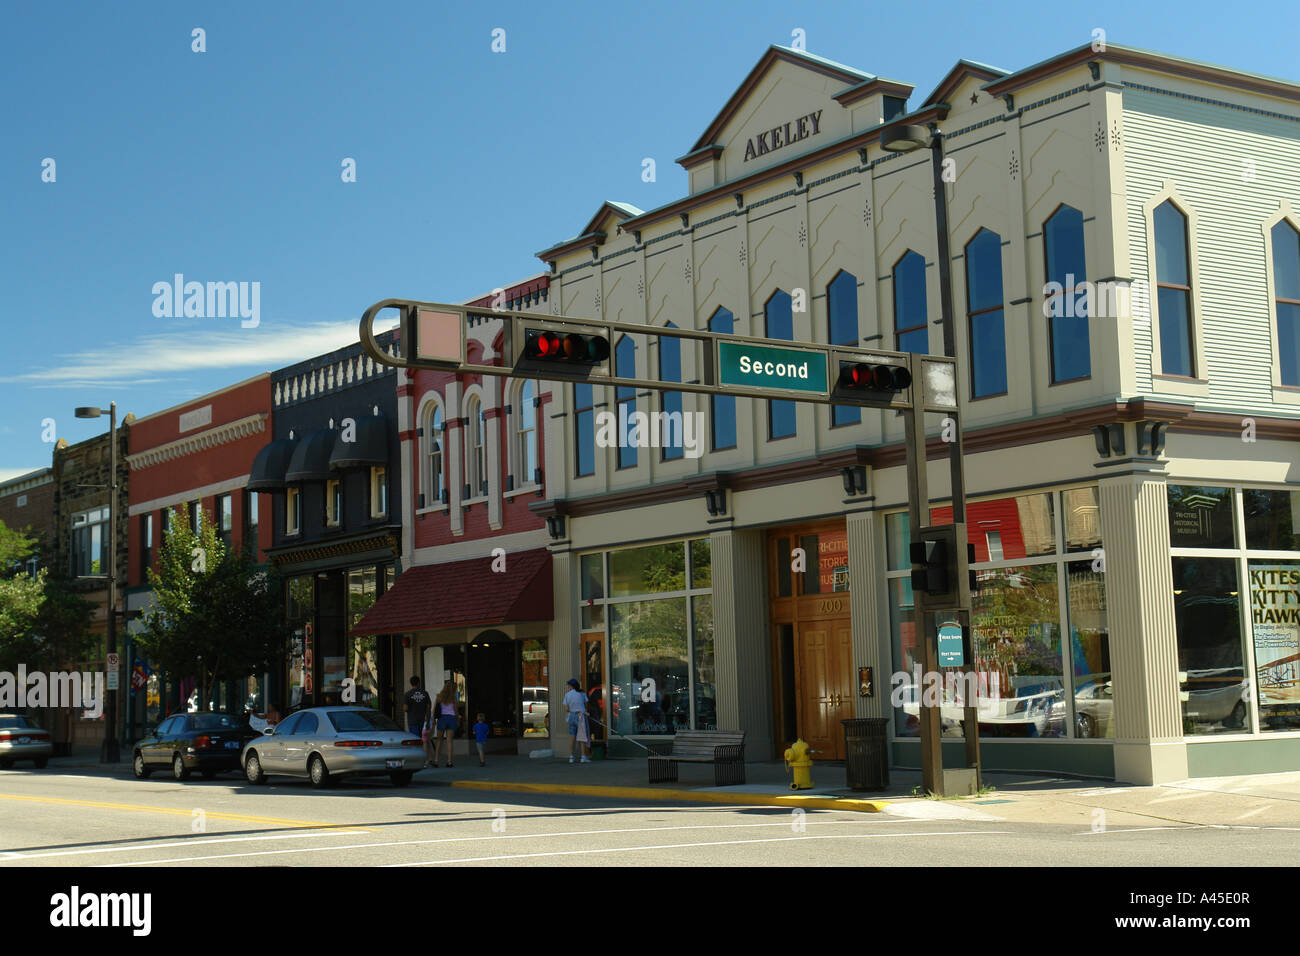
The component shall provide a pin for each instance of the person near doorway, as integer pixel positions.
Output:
(575, 706)
(481, 731)
(416, 707)
(263, 722)
(444, 711)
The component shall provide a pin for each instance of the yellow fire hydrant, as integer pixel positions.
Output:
(798, 760)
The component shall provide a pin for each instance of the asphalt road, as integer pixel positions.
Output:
(96, 820)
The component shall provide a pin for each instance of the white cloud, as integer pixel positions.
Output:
(7, 473)
(189, 348)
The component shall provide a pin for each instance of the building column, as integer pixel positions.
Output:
(866, 575)
(1149, 745)
(562, 648)
(741, 638)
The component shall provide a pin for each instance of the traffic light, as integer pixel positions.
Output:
(938, 572)
(870, 383)
(543, 345)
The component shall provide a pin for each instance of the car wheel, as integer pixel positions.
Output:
(1083, 726)
(319, 773)
(179, 770)
(401, 778)
(6, 763)
(1238, 716)
(139, 767)
(253, 769)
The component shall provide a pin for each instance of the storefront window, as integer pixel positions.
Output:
(1023, 526)
(907, 656)
(535, 692)
(650, 670)
(706, 687)
(363, 661)
(592, 572)
(1090, 651)
(1272, 519)
(652, 570)
(897, 535)
(1082, 519)
(1275, 623)
(1207, 612)
(1200, 517)
(701, 570)
(1016, 637)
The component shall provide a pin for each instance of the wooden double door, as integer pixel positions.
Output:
(824, 684)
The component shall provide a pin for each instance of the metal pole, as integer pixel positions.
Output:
(110, 752)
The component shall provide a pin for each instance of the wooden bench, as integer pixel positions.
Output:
(725, 749)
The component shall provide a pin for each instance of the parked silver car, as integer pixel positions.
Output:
(324, 743)
(21, 738)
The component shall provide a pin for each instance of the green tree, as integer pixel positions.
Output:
(216, 613)
(43, 623)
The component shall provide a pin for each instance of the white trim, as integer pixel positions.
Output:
(1200, 370)
(1282, 395)
(212, 437)
(184, 497)
(430, 402)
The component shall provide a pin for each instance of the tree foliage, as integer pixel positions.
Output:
(216, 613)
(43, 623)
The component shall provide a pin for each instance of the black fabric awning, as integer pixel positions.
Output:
(368, 448)
(267, 473)
(311, 459)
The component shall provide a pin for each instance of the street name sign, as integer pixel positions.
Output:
(767, 367)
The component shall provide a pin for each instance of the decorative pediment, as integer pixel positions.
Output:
(964, 80)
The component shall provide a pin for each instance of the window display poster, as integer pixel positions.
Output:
(1275, 618)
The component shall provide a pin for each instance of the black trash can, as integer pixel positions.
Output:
(866, 752)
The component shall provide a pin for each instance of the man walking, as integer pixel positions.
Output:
(575, 704)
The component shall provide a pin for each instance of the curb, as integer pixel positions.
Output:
(690, 796)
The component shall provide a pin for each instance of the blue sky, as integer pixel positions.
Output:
(225, 165)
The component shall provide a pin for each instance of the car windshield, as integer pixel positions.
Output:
(9, 723)
(214, 721)
(347, 721)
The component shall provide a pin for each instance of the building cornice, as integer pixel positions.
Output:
(211, 438)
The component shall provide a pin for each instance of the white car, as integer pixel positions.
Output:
(325, 743)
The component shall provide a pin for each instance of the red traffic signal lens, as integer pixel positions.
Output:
(570, 347)
(542, 345)
(877, 378)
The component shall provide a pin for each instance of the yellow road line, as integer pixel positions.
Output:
(691, 796)
(175, 811)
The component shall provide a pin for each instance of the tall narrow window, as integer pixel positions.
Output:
(333, 503)
(433, 439)
(911, 332)
(625, 366)
(1286, 299)
(293, 511)
(584, 428)
(196, 510)
(146, 545)
(1173, 291)
(842, 321)
(723, 407)
(378, 492)
(475, 466)
(225, 520)
(988, 341)
(526, 440)
(1067, 267)
(780, 325)
(250, 520)
(670, 370)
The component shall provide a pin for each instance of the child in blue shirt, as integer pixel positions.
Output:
(481, 730)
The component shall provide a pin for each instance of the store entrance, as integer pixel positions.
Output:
(491, 661)
(812, 636)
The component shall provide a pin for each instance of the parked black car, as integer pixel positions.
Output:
(208, 742)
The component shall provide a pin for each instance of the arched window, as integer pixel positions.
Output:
(723, 406)
(842, 321)
(1067, 267)
(670, 370)
(779, 315)
(988, 341)
(1173, 291)
(433, 444)
(526, 433)
(1286, 299)
(625, 400)
(475, 451)
(911, 332)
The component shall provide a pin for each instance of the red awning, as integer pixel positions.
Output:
(464, 594)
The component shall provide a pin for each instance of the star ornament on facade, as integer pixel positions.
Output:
(974, 98)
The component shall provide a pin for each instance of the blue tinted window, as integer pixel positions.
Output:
(909, 304)
(1286, 291)
(842, 310)
(1173, 291)
(1067, 266)
(724, 406)
(625, 398)
(988, 342)
(780, 325)
(670, 370)
(584, 427)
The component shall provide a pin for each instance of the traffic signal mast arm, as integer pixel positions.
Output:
(537, 345)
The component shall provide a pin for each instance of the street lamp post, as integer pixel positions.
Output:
(109, 752)
(904, 138)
